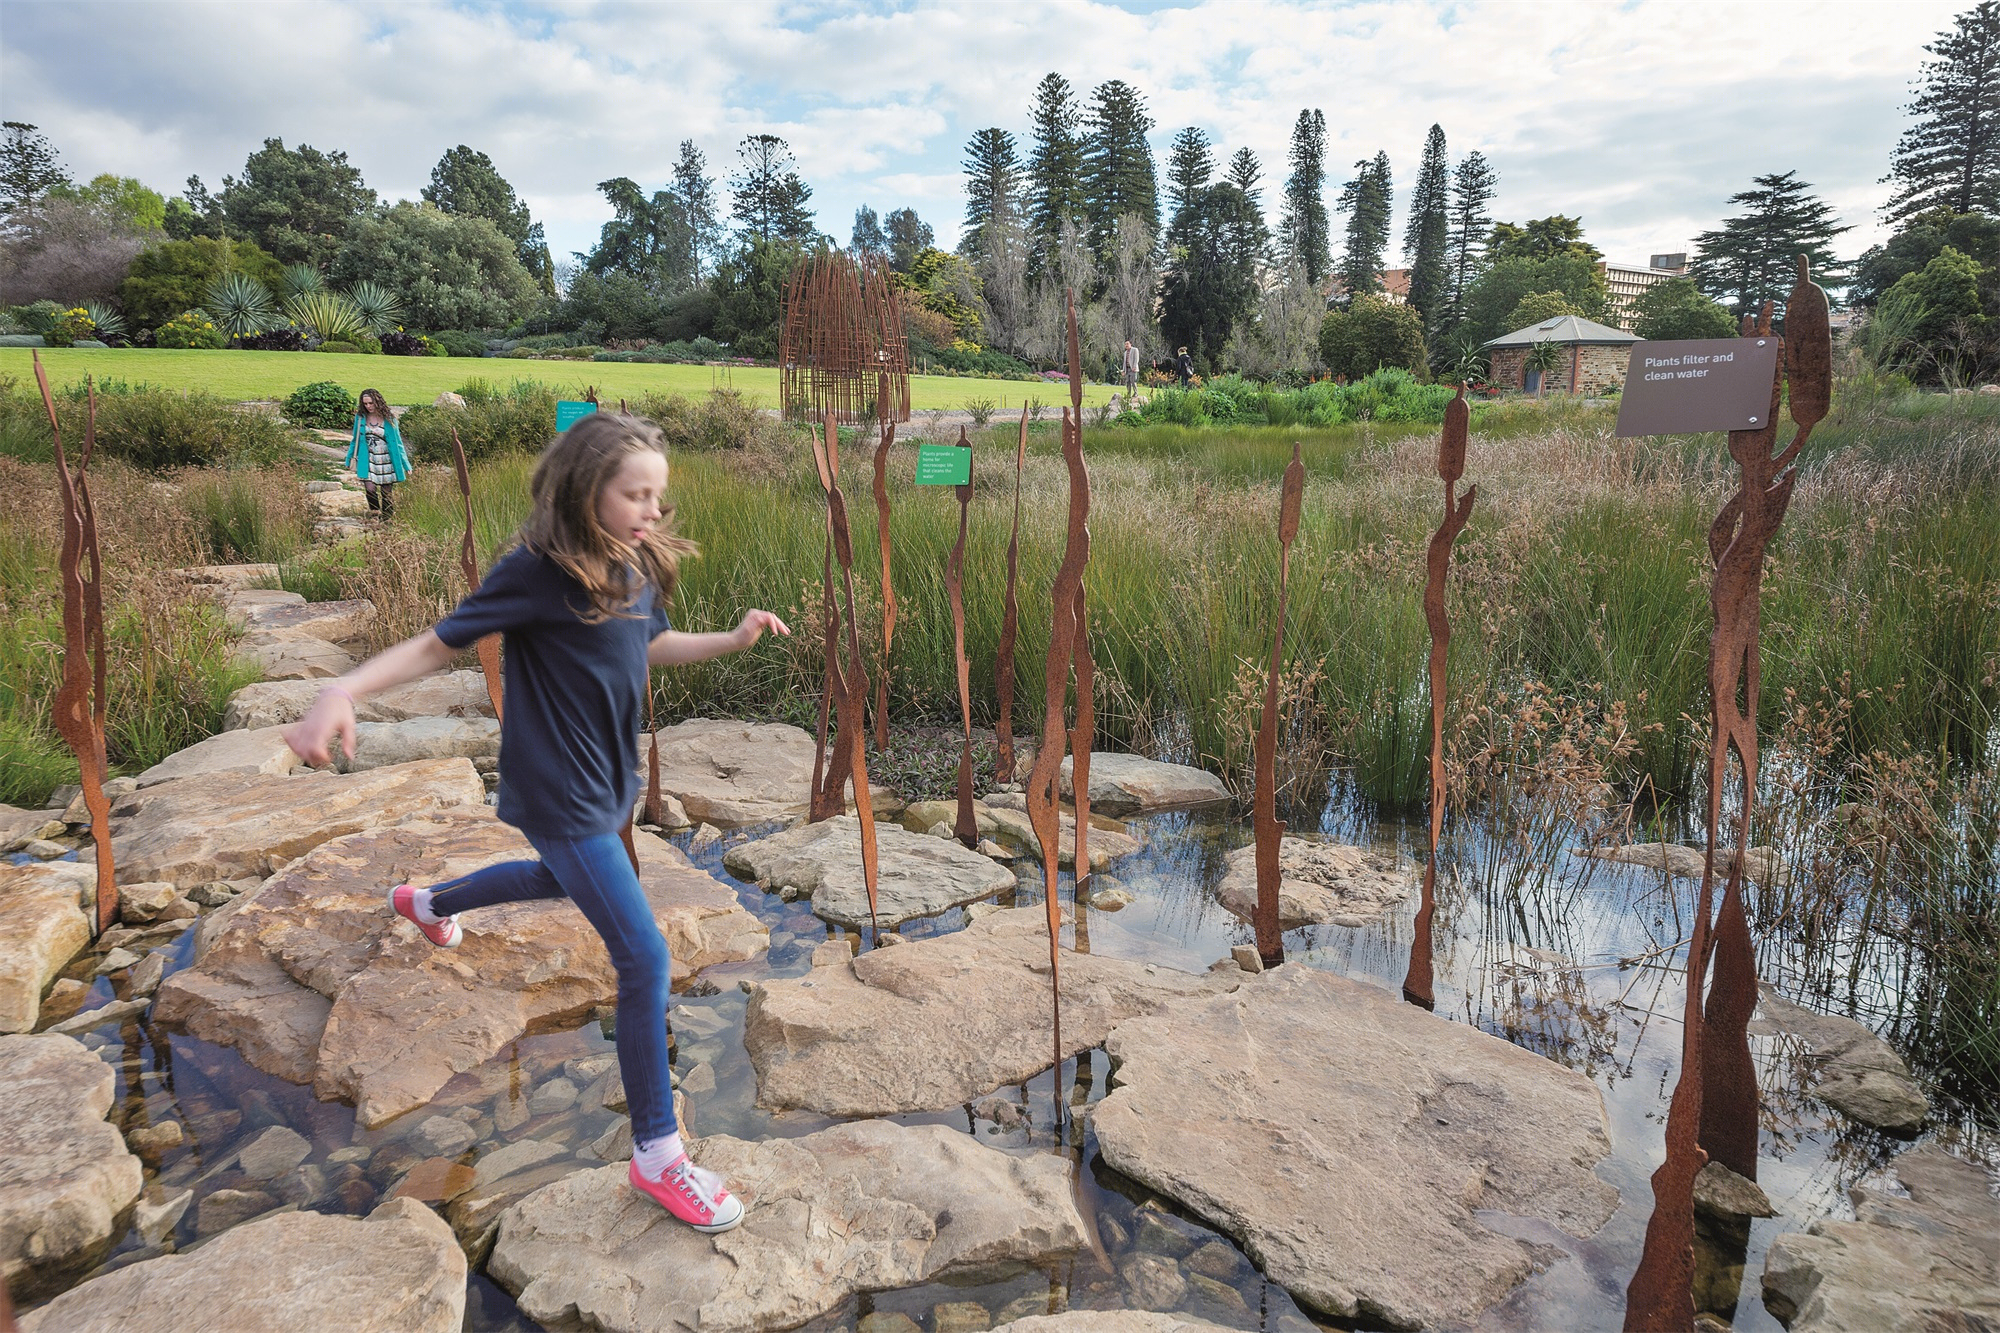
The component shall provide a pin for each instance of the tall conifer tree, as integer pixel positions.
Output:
(1245, 171)
(1749, 259)
(696, 189)
(1951, 157)
(1055, 166)
(1190, 164)
(1304, 231)
(1366, 201)
(992, 183)
(1428, 234)
(1118, 175)
(1469, 224)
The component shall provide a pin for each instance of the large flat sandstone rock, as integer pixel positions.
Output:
(386, 744)
(279, 703)
(1013, 826)
(396, 1271)
(1320, 883)
(1107, 1321)
(1854, 1071)
(917, 875)
(42, 927)
(862, 1207)
(314, 980)
(1920, 1264)
(65, 1174)
(1126, 784)
(291, 655)
(335, 622)
(246, 752)
(1761, 864)
(937, 1023)
(730, 773)
(227, 826)
(1350, 1141)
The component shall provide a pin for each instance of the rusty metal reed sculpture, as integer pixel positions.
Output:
(829, 779)
(488, 647)
(81, 702)
(1418, 986)
(841, 340)
(1713, 1113)
(888, 438)
(849, 682)
(1269, 829)
(1003, 666)
(966, 827)
(1067, 651)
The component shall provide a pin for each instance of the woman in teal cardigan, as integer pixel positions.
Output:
(376, 453)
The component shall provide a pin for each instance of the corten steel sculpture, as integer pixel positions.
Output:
(1269, 828)
(840, 339)
(80, 701)
(488, 647)
(1713, 1114)
(1417, 984)
(1066, 630)
(849, 684)
(1003, 667)
(888, 438)
(966, 827)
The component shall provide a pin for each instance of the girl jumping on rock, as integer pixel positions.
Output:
(581, 605)
(376, 453)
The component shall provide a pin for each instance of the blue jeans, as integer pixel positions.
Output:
(596, 874)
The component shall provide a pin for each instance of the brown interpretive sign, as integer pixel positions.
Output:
(1698, 384)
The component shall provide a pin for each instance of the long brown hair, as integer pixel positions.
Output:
(361, 404)
(569, 476)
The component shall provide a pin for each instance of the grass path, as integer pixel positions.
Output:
(418, 379)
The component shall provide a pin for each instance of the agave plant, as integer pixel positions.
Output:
(109, 322)
(380, 310)
(239, 304)
(297, 280)
(331, 316)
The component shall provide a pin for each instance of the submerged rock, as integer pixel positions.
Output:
(1108, 1321)
(65, 1173)
(1320, 883)
(1857, 1074)
(1350, 1141)
(314, 980)
(860, 1207)
(1759, 863)
(1927, 1262)
(917, 875)
(940, 1022)
(42, 927)
(1126, 784)
(396, 1271)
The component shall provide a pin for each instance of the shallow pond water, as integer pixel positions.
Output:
(1579, 963)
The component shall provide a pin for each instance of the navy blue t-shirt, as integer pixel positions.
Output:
(569, 731)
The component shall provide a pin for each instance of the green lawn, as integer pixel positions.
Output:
(418, 379)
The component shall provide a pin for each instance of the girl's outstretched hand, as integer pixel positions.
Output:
(332, 714)
(754, 624)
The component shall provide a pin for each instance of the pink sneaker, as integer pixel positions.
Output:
(695, 1196)
(445, 934)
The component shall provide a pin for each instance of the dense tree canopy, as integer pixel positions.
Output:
(907, 236)
(1212, 283)
(1470, 225)
(1491, 299)
(1540, 238)
(1676, 308)
(1304, 230)
(695, 188)
(992, 184)
(1951, 157)
(767, 197)
(174, 276)
(122, 200)
(1920, 241)
(1055, 166)
(648, 239)
(1118, 176)
(749, 291)
(450, 271)
(295, 203)
(1365, 200)
(1934, 322)
(29, 168)
(1752, 257)
(1372, 332)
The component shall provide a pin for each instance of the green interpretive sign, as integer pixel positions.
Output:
(568, 414)
(943, 465)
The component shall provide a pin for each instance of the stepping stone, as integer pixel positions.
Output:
(1320, 883)
(1856, 1072)
(917, 875)
(1126, 784)
(232, 576)
(202, 829)
(247, 752)
(335, 622)
(396, 1271)
(1908, 1264)
(279, 703)
(42, 927)
(385, 744)
(65, 1174)
(733, 773)
(290, 655)
(1351, 1142)
(1106, 845)
(863, 1207)
(314, 980)
(939, 1023)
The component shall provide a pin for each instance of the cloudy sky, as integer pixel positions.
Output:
(1641, 117)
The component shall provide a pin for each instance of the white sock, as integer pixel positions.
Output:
(654, 1158)
(420, 902)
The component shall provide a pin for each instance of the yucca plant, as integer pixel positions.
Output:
(107, 319)
(239, 304)
(380, 311)
(331, 316)
(297, 280)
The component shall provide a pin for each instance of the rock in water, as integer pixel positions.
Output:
(860, 1207)
(730, 773)
(201, 829)
(42, 927)
(1108, 1321)
(918, 875)
(943, 1021)
(65, 1174)
(1903, 1265)
(1125, 784)
(1760, 864)
(314, 980)
(1349, 1140)
(396, 1271)
(1859, 1074)
(1320, 883)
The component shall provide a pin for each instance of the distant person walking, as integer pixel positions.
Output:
(376, 453)
(1131, 370)
(1184, 366)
